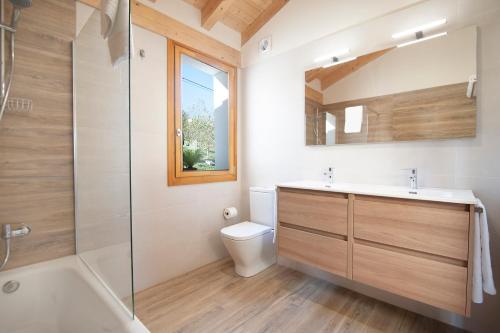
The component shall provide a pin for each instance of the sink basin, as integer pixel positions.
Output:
(427, 194)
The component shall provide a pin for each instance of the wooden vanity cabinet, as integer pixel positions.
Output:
(438, 283)
(435, 228)
(415, 249)
(325, 252)
(313, 229)
(322, 211)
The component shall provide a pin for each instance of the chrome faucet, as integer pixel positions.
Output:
(413, 179)
(329, 173)
(8, 232)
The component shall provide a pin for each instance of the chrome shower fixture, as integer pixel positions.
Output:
(7, 233)
(6, 81)
(18, 5)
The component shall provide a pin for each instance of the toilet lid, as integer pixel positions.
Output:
(245, 230)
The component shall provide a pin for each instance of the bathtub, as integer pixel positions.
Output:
(61, 296)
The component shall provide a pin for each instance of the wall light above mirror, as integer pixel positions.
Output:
(335, 54)
(419, 29)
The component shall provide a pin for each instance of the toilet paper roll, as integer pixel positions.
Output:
(230, 212)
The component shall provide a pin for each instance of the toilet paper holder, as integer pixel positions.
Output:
(230, 213)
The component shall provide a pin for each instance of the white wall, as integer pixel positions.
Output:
(437, 62)
(274, 148)
(175, 229)
(302, 21)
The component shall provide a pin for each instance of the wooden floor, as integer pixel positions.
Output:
(214, 299)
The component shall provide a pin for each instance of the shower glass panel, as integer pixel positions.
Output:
(102, 158)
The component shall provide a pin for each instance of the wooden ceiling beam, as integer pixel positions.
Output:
(213, 11)
(314, 95)
(155, 21)
(339, 72)
(262, 19)
(313, 74)
(161, 24)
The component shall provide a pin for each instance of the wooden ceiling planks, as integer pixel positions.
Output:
(262, 19)
(214, 11)
(197, 3)
(244, 16)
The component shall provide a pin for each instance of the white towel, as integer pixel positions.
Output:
(275, 223)
(482, 274)
(115, 27)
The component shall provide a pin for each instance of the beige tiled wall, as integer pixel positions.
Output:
(176, 229)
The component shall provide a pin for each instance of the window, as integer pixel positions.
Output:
(201, 118)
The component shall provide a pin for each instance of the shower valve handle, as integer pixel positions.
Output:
(8, 232)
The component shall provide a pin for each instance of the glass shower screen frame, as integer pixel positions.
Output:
(102, 160)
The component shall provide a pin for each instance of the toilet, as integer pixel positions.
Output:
(251, 244)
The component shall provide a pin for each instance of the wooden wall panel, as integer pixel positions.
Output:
(442, 112)
(36, 148)
(315, 123)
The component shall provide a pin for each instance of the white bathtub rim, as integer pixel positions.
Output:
(77, 265)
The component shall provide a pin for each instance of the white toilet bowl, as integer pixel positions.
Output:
(251, 247)
(251, 244)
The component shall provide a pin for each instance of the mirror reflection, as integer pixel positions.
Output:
(422, 90)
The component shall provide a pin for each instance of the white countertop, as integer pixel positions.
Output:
(427, 194)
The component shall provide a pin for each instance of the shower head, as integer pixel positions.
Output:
(21, 3)
(16, 13)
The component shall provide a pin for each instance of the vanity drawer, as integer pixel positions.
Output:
(318, 210)
(436, 228)
(326, 253)
(436, 283)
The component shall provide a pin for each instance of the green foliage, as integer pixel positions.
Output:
(202, 166)
(198, 130)
(190, 157)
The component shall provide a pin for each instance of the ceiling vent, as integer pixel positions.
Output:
(265, 45)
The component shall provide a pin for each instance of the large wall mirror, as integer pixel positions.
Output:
(418, 91)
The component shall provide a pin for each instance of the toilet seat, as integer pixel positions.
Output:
(244, 231)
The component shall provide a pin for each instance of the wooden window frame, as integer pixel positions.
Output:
(176, 173)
